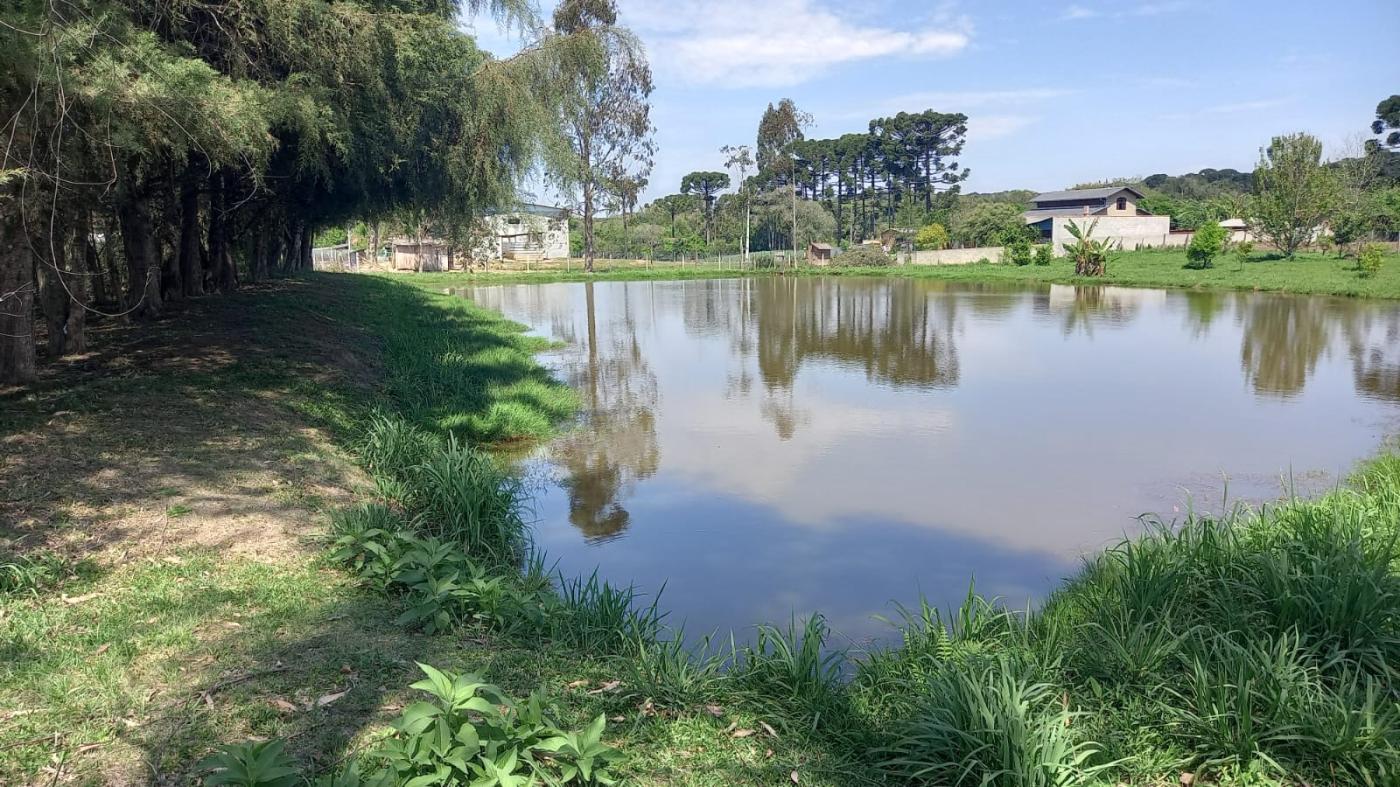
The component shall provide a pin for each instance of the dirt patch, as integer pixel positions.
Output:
(182, 433)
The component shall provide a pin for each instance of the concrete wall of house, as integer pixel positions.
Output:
(955, 256)
(1133, 232)
(553, 233)
(1129, 204)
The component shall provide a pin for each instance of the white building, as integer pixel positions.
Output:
(528, 232)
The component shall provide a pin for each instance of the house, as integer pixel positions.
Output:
(819, 253)
(1115, 212)
(420, 254)
(1238, 230)
(525, 232)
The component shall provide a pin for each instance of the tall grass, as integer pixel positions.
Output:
(1260, 643)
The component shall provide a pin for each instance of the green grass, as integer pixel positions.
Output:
(1254, 649)
(1308, 273)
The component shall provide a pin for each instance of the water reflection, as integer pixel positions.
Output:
(1283, 340)
(835, 443)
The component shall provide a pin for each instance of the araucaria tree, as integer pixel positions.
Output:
(706, 185)
(1294, 192)
(608, 115)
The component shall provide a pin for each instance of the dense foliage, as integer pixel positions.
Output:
(161, 149)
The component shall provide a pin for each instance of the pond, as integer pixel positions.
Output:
(778, 446)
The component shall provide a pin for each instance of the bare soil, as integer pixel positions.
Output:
(141, 447)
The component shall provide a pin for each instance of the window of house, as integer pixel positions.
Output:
(1122, 203)
(513, 220)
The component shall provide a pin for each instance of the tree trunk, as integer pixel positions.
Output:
(220, 256)
(88, 258)
(588, 226)
(61, 298)
(143, 300)
(16, 302)
(191, 251)
(262, 242)
(304, 256)
(293, 248)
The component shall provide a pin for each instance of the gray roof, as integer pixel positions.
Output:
(1104, 193)
(1040, 214)
(531, 208)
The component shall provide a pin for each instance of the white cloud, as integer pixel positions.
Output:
(984, 127)
(951, 101)
(781, 42)
(1247, 106)
(1077, 12)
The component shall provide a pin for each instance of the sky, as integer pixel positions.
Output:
(1056, 93)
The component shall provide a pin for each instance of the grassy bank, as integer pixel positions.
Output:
(1258, 649)
(1309, 273)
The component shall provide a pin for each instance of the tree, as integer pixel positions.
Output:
(609, 120)
(674, 205)
(1386, 126)
(1206, 244)
(740, 158)
(706, 185)
(988, 224)
(1294, 193)
(779, 127)
(931, 237)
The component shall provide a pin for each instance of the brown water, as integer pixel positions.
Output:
(774, 446)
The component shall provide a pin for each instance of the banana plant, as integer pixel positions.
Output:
(1090, 256)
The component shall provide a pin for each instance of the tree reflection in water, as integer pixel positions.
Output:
(617, 446)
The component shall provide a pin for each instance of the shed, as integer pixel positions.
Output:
(819, 253)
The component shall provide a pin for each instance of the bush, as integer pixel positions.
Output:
(1242, 251)
(991, 721)
(1368, 262)
(931, 238)
(1206, 244)
(1043, 254)
(1017, 252)
(863, 256)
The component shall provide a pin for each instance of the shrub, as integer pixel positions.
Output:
(931, 237)
(863, 256)
(1369, 261)
(1044, 254)
(991, 721)
(462, 495)
(1017, 252)
(791, 669)
(1242, 251)
(1206, 244)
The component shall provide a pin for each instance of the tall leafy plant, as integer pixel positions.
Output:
(1090, 256)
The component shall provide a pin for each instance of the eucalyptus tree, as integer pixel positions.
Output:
(608, 114)
(705, 185)
(778, 129)
(740, 159)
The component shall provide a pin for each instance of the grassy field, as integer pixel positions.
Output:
(1308, 273)
(252, 522)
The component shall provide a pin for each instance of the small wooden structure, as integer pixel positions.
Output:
(421, 254)
(819, 253)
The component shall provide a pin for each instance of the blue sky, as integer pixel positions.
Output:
(1056, 92)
